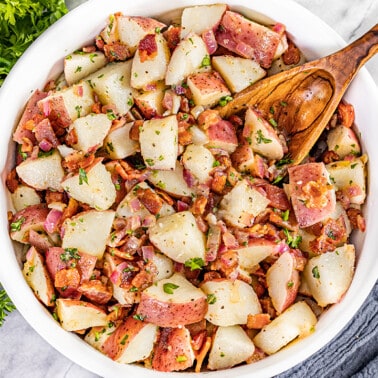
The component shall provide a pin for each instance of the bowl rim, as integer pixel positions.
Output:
(29, 307)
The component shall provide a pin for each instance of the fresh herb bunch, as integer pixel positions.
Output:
(21, 22)
(6, 305)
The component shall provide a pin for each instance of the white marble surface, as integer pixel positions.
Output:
(23, 353)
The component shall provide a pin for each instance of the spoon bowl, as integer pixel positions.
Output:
(302, 100)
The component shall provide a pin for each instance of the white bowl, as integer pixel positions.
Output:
(44, 60)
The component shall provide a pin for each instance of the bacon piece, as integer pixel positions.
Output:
(116, 51)
(147, 48)
(248, 39)
(152, 202)
(172, 35)
(356, 219)
(96, 291)
(292, 55)
(345, 114)
(257, 321)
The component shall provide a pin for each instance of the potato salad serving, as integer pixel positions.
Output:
(163, 234)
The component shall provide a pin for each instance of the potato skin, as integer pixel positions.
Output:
(165, 314)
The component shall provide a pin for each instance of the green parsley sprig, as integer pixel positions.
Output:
(21, 22)
(6, 306)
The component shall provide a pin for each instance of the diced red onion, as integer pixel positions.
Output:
(149, 221)
(189, 178)
(133, 222)
(148, 252)
(208, 37)
(180, 90)
(45, 145)
(46, 108)
(182, 206)
(52, 220)
(135, 204)
(229, 240)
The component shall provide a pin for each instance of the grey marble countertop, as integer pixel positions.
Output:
(23, 353)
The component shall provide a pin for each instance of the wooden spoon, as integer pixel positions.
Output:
(303, 99)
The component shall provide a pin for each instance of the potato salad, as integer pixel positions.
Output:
(163, 234)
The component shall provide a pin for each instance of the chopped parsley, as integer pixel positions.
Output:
(83, 176)
(16, 226)
(315, 272)
(195, 263)
(169, 287)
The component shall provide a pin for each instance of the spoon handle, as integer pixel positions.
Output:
(345, 63)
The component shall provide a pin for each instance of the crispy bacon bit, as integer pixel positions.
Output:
(76, 160)
(89, 49)
(315, 193)
(218, 182)
(116, 51)
(200, 356)
(257, 321)
(150, 200)
(147, 48)
(267, 307)
(134, 131)
(345, 114)
(292, 55)
(356, 219)
(96, 291)
(71, 209)
(69, 277)
(172, 35)
(199, 205)
(330, 157)
(12, 181)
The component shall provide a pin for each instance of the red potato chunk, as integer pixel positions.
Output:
(132, 341)
(248, 39)
(207, 88)
(312, 195)
(283, 282)
(221, 133)
(174, 351)
(31, 218)
(38, 278)
(172, 302)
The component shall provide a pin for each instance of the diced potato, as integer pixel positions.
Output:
(88, 231)
(186, 59)
(200, 18)
(256, 251)
(178, 237)
(112, 85)
(230, 301)
(242, 204)
(297, 321)
(81, 64)
(172, 302)
(75, 315)
(171, 181)
(118, 144)
(261, 136)
(238, 73)
(199, 161)
(343, 141)
(243, 158)
(283, 281)
(132, 341)
(230, 347)
(90, 131)
(43, 173)
(158, 140)
(68, 104)
(164, 266)
(207, 88)
(148, 68)
(131, 29)
(38, 278)
(350, 176)
(150, 102)
(131, 206)
(92, 186)
(24, 196)
(97, 336)
(311, 193)
(329, 275)
(179, 355)
(30, 218)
